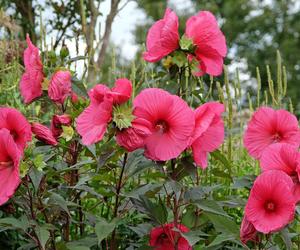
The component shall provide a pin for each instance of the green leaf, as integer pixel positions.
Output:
(59, 201)
(103, 229)
(210, 206)
(217, 155)
(78, 87)
(223, 224)
(179, 58)
(284, 234)
(221, 238)
(136, 163)
(43, 235)
(156, 211)
(38, 162)
(148, 190)
(193, 236)
(13, 223)
(36, 177)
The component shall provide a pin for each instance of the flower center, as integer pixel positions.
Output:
(161, 126)
(277, 137)
(14, 134)
(5, 164)
(163, 238)
(270, 206)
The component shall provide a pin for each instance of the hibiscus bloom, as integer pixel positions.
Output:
(165, 238)
(248, 232)
(121, 92)
(57, 122)
(18, 126)
(134, 137)
(271, 204)
(210, 42)
(9, 165)
(60, 86)
(92, 122)
(268, 126)
(209, 131)
(162, 38)
(284, 157)
(43, 133)
(31, 81)
(172, 123)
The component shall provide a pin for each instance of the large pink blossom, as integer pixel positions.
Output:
(92, 122)
(134, 137)
(57, 122)
(43, 133)
(9, 165)
(31, 81)
(268, 126)
(284, 157)
(162, 38)
(18, 126)
(271, 204)
(248, 232)
(121, 92)
(209, 131)
(165, 237)
(60, 86)
(209, 40)
(172, 123)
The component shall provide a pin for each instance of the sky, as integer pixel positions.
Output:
(122, 29)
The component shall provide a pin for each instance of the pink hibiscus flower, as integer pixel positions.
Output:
(31, 81)
(121, 92)
(43, 133)
(134, 137)
(172, 123)
(9, 166)
(209, 131)
(18, 126)
(164, 237)
(268, 126)
(57, 122)
(284, 157)
(92, 122)
(271, 204)
(60, 86)
(210, 42)
(248, 232)
(162, 38)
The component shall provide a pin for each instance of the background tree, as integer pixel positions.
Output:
(254, 30)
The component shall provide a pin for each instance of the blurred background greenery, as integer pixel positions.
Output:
(254, 30)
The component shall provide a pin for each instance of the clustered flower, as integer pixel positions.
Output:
(15, 133)
(203, 43)
(164, 126)
(272, 137)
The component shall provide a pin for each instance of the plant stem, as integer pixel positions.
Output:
(118, 189)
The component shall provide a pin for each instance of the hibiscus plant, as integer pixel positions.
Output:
(151, 161)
